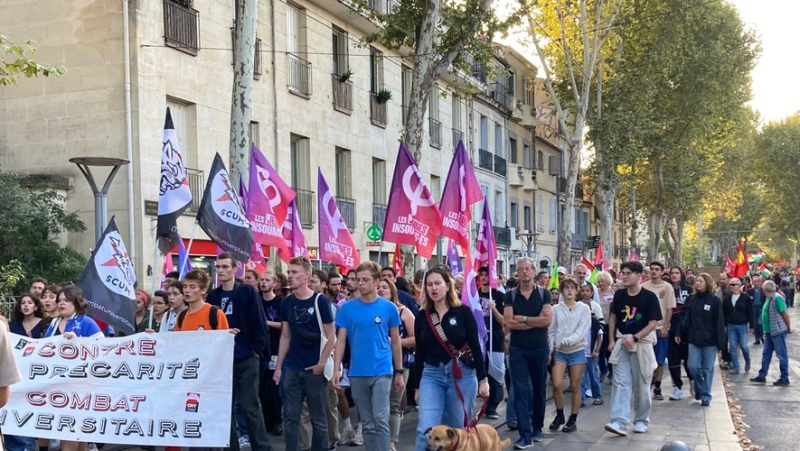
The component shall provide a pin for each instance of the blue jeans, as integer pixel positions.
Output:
(591, 379)
(737, 337)
(775, 343)
(759, 328)
(297, 386)
(438, 401)
(701, 364)
(19, 443)
(628, 381)
(529, 374)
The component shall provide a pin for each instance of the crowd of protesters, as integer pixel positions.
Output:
(327, 359)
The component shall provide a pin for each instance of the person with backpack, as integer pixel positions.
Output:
(199, 315)
(242, 307)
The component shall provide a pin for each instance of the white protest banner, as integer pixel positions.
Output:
(168, 389)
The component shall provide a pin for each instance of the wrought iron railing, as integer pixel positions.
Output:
(500, 165)
(383, 6)
(503, 236)
(197, 184)
(435, 128)
(485, 159)
(379, 213)
(342, 94)
(305, 206)
(458, 135)
(347, 208)
(299, 75)
(181, 27)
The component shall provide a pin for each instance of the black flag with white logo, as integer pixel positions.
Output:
(108, 282)
(221, 214)
(174, 193)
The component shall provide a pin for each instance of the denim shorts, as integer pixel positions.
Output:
(660, 348)
(573, 358)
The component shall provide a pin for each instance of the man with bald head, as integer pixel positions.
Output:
(737, 307)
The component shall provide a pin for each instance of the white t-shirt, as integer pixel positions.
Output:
(589, 347)
(734, 298)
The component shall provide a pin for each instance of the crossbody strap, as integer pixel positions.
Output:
(433, 321)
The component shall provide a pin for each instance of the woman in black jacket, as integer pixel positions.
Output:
(739, 319)
(677, 353)
(704, 330)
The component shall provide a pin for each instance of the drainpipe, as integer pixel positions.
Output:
(126, 56)
(273, 251)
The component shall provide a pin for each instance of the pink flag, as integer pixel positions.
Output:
(452, 258)
(293, 235)
(167, 268)
(471, 298)
(632, 257)
(461, 190)
(486, 249)
(263, 197)
(257, 257)
(412, 216)
(336, 245)
(599, 259)
(270, 186)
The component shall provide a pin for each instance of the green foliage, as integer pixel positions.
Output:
(15, 63)
(29, 225)
(11, 276)
(384, 95)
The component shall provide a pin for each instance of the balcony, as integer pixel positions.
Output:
(435, 128)
(342, 95)
(181, 27)
(485, 160)
(305, 207)
(458, 135)
(516, 177)
(377, 111)
(517, 114)
(197, 184)
(379, 213)
(502, 236)
(499, 93)
(299, 76)
(500, 165)
(347, 208)
(383, 6)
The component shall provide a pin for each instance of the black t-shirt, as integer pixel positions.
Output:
(459, 327)
(532, 307)
(488, 317)
(272, 309)
(633, 313)
(301, 314)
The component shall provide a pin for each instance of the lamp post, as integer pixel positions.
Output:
(100, 195)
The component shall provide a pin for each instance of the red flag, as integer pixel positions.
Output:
(486, 249)
(599, 258)
(588, 265)
(336, 245)
(293, 235)
(729, 266)
(266, 192)
(412, 216)
(461, 190)
(398, 261)
(741, 263)
(167, 268)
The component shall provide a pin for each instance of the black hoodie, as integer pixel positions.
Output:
(703, 323)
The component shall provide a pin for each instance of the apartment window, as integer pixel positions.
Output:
(375, 71)
(512, 151)
(498, 140)
(526, 157)
(379, 198)
(514, 215)
(527, 217)
(527, 91)
(553, 215)
(343, 175)
(341, 62)
(499, 216)
(181, 27)
(434, 125)
(436, 187)
(512, 83)
(540, 162)
(484, 133)
(299, 67)
(300, 155)
(540, 213)
(406, 81)
(254, 134)
(458, 134)
(184, 118)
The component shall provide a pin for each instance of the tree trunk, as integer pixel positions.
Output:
(634, 222)
(574, 148)
(657, 215)
(243, 66)
(606, 173)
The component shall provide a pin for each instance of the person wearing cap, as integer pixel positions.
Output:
(562, 272)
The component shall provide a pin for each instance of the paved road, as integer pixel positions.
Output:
(772, 412)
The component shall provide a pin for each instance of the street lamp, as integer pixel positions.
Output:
(100, 195)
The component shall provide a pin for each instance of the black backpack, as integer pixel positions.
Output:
(212, 317)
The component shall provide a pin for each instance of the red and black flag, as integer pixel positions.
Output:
(221, 214)
(174, 194)
(108, 282)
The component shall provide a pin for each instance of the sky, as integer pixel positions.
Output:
(776, 87)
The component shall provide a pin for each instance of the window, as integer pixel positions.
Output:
(553, 215)
(375, 71)
(436, 188)
(498, 140)
(301, 180)
(540, 213)
(341, 63)
(406, 90)
(514, 215)
(379, 181)
(484, 133)
(512, 151)
(540, 158)
(254, 134)
(527, 92)
(499, 216)
(184, 118)
(526, 157)
(299, 68)
(527, 217)
(434, 125)
(343, 177)
(458, 134)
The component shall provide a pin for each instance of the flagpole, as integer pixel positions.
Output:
(156, 270)
(188, 250)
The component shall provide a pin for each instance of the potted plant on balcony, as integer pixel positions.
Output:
(346, 76)
(384, 95)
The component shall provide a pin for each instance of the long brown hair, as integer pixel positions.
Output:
(392, 290)
(451, 297)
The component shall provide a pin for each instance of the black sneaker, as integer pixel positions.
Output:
(492, 415)
(557, 423)
(705, 403)
(758, 379)
(781, 382)
(571, 426)
(657, 395)
(512, 426)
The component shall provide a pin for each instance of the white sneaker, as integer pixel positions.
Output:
(640, 427)
(616, 428)
(244, 442)
(358, 440)
(691, 388)
(347, 437)
(677, 394)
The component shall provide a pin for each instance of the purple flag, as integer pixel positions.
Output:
(471, 298)
(452, 258)
(461, 190)
(293, 235)
(336, 244)
(265, 206)
(486, 250)
(183, 260)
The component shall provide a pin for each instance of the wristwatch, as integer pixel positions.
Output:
(396, 372)
(635, 339)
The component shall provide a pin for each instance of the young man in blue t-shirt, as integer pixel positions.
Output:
(372, 325)
(300, 357)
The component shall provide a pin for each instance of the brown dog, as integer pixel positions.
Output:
(483, 438)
